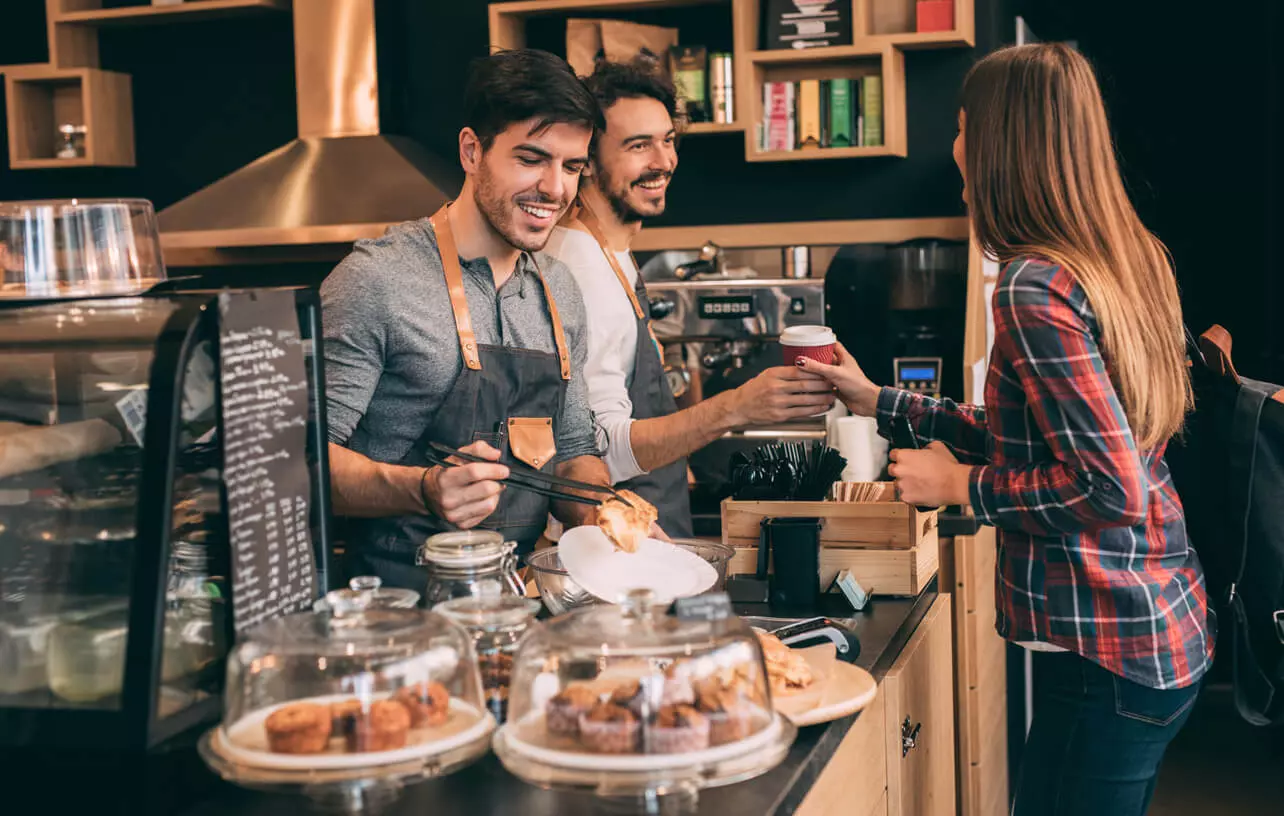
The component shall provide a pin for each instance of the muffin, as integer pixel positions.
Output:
(677, 729)
(677, 686)
(383, 728)
(609, 729)
(428, 704)
(562, 713)
(634, 696)
(730, 715)
(298, 728)
(344, 715)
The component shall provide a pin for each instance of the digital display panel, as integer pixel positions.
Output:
(915, 374)
(726, 307)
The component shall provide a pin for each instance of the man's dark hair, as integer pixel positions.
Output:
(612, 81)
(513, 86)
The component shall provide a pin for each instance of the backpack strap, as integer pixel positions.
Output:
(1254, 691)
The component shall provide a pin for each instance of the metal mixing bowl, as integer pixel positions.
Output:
(561, 594)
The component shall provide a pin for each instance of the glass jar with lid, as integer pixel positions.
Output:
(641, 698)
(459, 561)
(497, 623)
(357, 693)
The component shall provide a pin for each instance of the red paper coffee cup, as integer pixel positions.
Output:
(814, 342)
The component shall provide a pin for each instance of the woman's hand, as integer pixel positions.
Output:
(857, 391)
(931, 476)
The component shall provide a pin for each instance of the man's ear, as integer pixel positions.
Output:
(470, 150)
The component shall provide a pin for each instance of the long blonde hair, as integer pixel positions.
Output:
(1043, 181)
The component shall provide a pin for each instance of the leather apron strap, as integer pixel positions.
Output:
(459, 301)
(586, 217)
(455, 286)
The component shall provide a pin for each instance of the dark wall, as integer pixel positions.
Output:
(1194, 100)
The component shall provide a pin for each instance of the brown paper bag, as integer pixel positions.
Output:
(616, 41)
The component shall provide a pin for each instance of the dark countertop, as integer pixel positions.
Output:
(486, 788)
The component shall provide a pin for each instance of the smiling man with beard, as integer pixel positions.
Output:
(645, 437)
(455, 329)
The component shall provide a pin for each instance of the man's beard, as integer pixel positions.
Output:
(498, 212)
(617, 196)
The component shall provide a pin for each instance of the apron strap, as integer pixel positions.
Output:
(559, 335)
(455, 286)
(586, 217)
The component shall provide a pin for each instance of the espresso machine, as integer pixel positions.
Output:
(719, 327)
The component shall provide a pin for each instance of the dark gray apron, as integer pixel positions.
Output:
(649, 391)
(512, 398)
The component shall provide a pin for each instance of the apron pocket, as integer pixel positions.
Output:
(530, 440)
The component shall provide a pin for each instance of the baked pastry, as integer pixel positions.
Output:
(677, 686)
(562, 713)
(626, 526)
(677, 729)
(343, 716)
(634, 696)
(787, 670)
(610, 729)
(730, 713)
(382, 728)
(298, 728)
(428, 704)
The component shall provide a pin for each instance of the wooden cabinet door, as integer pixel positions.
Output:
(919, 698)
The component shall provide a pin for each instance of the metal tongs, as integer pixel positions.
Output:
(529, 479)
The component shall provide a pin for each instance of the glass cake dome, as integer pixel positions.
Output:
(360, 689)
(637, 698)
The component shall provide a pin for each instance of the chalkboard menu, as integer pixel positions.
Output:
(265, 472)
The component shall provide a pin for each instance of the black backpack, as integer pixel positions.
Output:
(1228, 468)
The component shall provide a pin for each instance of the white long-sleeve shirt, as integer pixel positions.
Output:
(612, 331)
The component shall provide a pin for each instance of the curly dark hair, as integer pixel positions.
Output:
(641, 79)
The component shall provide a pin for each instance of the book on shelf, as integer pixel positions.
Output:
(872, 108)
(821, 113)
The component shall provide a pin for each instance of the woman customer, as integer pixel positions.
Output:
(1086, 385)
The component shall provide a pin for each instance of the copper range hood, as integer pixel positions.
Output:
(341, 179)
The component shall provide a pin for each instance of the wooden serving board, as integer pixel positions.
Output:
(865, 525)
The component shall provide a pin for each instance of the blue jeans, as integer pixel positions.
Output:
(1096, 740)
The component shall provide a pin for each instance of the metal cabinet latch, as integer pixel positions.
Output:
(909, 736)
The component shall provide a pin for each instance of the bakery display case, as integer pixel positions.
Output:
(642, 699)
(163, 484)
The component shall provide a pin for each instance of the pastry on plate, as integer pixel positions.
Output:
(728, 708)
(563, 710)
(610, 729)
(626, 526)
(298, 728)
(428, 704)
(383, 728)
(677, 729)
(787, 670)
(343, 716)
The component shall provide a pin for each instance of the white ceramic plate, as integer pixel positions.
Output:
(245, 742)
(595, 564)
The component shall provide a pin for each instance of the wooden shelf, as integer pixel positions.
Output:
(820, 153)
(697, 128)
(192, 10)
(40, 99)
(834, 53)
(882, 30)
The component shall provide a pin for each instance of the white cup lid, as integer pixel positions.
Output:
(807, 336)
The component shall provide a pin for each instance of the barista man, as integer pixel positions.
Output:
(645, 437)
(453, 329)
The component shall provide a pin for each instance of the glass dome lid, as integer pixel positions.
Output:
(359, 688)
(640, 696)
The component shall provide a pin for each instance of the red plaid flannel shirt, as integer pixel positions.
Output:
(1093, 555)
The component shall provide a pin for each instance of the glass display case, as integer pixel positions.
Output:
(640, 699)
(118, 522)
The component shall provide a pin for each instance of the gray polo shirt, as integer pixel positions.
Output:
(392, 350)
